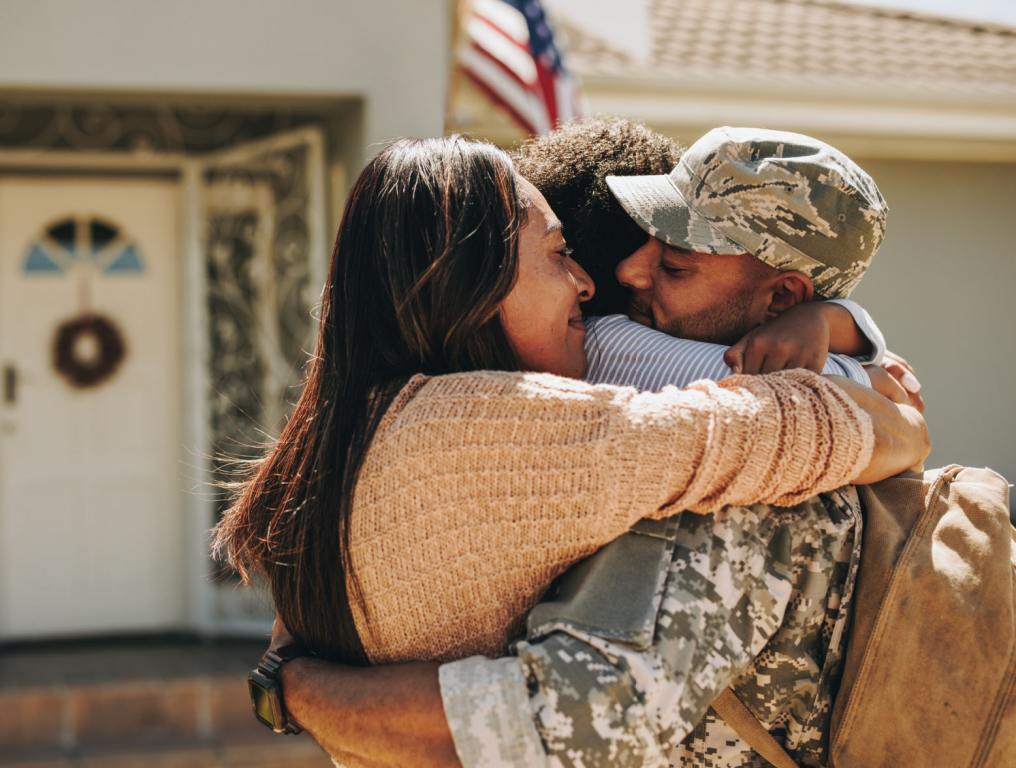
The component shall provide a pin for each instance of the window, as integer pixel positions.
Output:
(76, 238)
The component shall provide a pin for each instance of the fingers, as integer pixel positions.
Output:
(917, 401)
(904, 375)
(760, 352)
(892, 357)
(894, 391)
(760, 357)
(900, 378)
(734, 357)
(776, 359)
(910, 382)
(814, 362)
(902, 371)
(901, 433)
(887, 386)
(754, 358)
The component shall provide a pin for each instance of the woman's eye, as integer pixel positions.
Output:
(672, 271)
(565, 252)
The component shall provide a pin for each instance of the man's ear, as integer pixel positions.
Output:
(788, 289)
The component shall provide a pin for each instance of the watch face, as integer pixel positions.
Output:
(261, 700)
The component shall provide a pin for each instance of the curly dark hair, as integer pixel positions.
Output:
(569, 165)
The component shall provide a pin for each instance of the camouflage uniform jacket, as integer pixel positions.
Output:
(622, 660)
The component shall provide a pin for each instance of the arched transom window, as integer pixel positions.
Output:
(74, 239)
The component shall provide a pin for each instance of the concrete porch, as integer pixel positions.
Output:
(125, 702)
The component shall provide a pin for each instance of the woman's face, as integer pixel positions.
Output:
(541, 314)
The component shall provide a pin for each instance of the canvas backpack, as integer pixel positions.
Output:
(930, 673)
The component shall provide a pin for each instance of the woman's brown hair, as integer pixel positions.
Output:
(426, 252)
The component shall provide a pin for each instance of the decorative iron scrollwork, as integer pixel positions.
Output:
(99, 126)
(258, 301)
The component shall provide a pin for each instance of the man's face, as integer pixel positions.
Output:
(694, 295)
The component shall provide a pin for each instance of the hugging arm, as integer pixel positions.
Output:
(572, 695)
(628, 354)
(369, 717)
(804, 336)
(854, 332)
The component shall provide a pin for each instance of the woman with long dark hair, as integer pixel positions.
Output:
(431, 481)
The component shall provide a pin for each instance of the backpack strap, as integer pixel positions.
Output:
(735, 714)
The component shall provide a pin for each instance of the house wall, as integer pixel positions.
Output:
(943, 289)
(392, 54)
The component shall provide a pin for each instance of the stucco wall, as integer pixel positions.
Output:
(943, 288)
(391, 53)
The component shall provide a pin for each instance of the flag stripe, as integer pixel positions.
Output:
(501, 48)
(509, 20)
(467, 59)
(567, 99)
(547, 82)
(505, 90)
(511, 56)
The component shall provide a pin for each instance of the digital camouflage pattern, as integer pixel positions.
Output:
(791, 684)
(757, 597)
(789, 199)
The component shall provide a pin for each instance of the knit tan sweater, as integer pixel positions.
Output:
(479, 489)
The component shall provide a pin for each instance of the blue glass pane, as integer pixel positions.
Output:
(40, 261)
(127, 261)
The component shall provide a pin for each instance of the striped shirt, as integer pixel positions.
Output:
(625, 353)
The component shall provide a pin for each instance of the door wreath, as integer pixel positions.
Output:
(88, 349)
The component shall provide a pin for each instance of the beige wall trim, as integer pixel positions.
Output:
(254, 100)
(903, 131)
(845, 91)
(78, 160)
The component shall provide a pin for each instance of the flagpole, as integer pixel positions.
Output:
(458, 9)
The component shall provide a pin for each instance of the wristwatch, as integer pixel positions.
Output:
(266, 690)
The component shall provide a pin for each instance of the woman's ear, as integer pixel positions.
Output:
(789, 289)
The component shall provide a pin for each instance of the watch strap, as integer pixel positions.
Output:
(270, 665)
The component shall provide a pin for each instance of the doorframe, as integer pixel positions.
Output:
(195, 497)
(207, 595)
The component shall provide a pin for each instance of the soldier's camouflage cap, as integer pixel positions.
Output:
(791, 200)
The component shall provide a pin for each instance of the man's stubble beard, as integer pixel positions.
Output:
(720, 324)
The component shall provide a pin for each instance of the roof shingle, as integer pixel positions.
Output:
(818, 43)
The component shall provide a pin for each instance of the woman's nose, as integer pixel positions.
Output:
(586, 286)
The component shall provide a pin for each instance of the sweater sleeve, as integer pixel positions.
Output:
(480, 488)
(776, 439)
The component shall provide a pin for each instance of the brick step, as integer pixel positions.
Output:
(293, 752)
(169, 705)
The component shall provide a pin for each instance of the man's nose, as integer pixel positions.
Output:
(634, 272)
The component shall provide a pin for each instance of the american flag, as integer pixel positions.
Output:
(510, 54)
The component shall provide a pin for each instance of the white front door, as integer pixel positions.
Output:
(91, 529)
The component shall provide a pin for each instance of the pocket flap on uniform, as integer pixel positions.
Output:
(614, 593)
